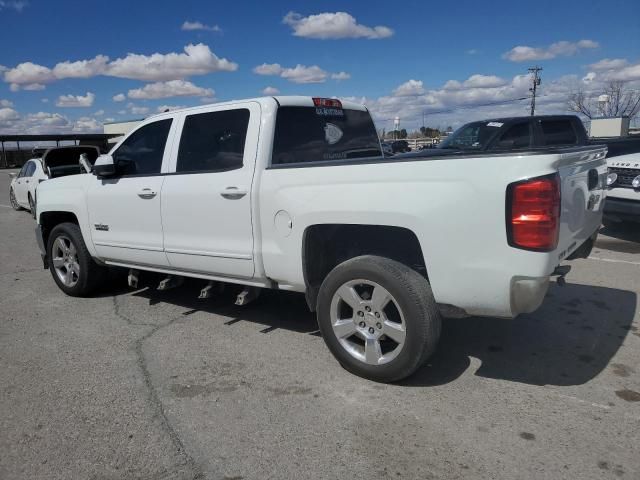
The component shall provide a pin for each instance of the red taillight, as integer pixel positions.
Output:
(327, 102)
(533, 213)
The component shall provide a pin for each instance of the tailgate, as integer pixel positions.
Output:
(583, 188)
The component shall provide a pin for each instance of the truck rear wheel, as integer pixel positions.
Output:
(378, 317)
(70, 263)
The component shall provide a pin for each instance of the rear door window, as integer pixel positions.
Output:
(310, 134)
(213, 141)
(516, 136)
(558, 132)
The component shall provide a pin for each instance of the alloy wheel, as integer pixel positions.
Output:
(368, 321)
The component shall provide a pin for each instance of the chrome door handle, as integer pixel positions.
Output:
(233, 193)
(147, 193)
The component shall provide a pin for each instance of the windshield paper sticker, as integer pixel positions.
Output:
(494, 124)
(332, 133)
(329, 112)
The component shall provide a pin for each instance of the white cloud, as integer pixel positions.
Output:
(472, 51)
(409, 88)
(298, 74)
(268, 69)
(626, 74)
(81, 68)
(18, 6)
(76, 100)
(191, 26)
(196, 60)
(87, 125)
(270, 91)
(99, 113)
(109, 119)
(340, 76)
(589, 77)
(333, 26)
(483, 81)
(6, 103)
(304, 74)
(559, 49)
(121, 97)
(609, 64)
(44, 100)
(172, 88)
(139, 110)
(122, 112)
(164, 108)
(8, 115)
(27, 74)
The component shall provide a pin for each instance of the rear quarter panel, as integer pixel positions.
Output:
(455, 206)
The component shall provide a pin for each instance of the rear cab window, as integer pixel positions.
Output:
(557, 132)
(310, 134)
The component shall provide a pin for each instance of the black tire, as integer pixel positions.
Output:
(90, 276)
(413, 295)
(13, 201)
(32, 207)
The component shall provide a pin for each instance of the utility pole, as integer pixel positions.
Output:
(536, 81)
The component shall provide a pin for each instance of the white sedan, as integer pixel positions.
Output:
(55, 162)
(22, 192)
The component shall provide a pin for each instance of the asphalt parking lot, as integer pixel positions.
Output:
(144, 384)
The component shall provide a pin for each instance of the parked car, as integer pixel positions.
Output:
(400, 146)
(293, 193)
(387, 149)
(623, 195)
(55, 162)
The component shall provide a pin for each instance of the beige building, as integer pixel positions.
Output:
(120, 128)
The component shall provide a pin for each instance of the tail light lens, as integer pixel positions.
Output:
(533, 213)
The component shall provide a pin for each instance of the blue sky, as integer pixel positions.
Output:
(398, 60)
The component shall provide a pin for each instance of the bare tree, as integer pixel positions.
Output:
(614, 100)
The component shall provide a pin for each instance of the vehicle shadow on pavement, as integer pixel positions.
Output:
(568, 341)
(271, 310)
(628, 232)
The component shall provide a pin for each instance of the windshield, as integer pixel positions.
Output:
(472, 136)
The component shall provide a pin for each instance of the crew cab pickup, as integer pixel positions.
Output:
(293, 193)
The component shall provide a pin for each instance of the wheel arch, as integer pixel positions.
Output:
(48, 221)
(324, 246)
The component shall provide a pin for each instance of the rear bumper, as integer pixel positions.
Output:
(43, 250)
(622, 209)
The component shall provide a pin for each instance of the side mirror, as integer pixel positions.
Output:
(104, 166)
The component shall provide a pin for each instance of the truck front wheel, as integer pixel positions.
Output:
(378, 317)
(71, 265)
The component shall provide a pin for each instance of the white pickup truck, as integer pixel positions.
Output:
(293, 193)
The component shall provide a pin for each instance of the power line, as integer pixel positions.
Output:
(536, 81)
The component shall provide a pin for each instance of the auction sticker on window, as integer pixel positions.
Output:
(495, 124)
(332, 133)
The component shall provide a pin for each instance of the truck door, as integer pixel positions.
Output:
(206, 201)
(124, 210)
(22, 183)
